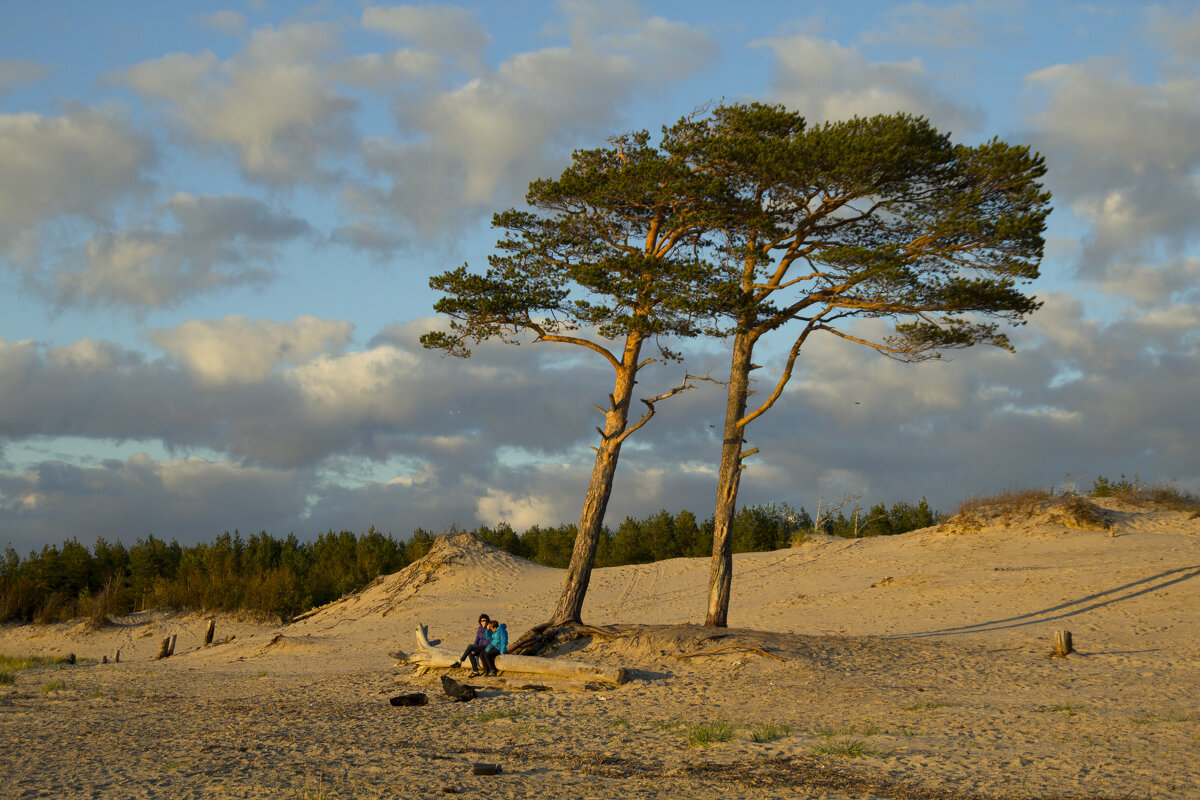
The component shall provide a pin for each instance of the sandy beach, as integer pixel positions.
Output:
(912, 666)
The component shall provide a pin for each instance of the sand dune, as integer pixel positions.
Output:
(926, 651)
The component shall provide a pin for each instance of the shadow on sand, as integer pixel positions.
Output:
(1065, 610)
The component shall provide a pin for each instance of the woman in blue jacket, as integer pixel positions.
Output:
(497, 645)
(475, 651)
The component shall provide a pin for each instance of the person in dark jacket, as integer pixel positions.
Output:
(476, 650)
(497, 645)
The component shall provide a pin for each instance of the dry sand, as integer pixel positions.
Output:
(928, 651)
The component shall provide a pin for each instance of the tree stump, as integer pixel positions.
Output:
(1062, 644)
(209, 631)
(164, 649)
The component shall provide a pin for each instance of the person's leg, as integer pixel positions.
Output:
(475, 651)
(489, 660)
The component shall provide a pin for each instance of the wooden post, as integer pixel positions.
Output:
(117, 657)
(164, 649)
(208, 632)
(171, 651)
(1062, 644)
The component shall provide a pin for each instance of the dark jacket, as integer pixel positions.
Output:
(499, 638)
(481, 636)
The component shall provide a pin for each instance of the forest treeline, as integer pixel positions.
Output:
(285, 577)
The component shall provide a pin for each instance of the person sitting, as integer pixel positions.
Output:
(476, 650)
(497, 645)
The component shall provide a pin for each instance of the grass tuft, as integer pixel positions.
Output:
(17, 663)
(846, 748)
(769, 732)
(53, 686)
(706, 733)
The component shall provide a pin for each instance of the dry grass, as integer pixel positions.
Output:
(1009, 501)
(104, 604)
(1157, 494)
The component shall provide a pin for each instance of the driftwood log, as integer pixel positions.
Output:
(428, 655)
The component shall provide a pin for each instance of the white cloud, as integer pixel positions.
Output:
(227, 22)
(18, 72)
(78, 164)
(239, 350)
(1124, 155)
(946, 27)
(520, 512)
(386, 72)
(269, 104)
(1180, 34)
(443, 29)
(219, 242)
(476, 145)
(825, 81)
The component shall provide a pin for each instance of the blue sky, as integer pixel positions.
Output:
(217, 224)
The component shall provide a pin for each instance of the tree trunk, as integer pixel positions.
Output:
(591, 518)
(720, 575)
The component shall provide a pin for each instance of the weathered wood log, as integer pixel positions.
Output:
(1063, 646)
(209, 631)
(164, 649)
(430, 656)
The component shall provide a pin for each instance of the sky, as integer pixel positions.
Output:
(218, 222)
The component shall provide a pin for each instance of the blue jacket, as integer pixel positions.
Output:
(481, 636)
(499, 638)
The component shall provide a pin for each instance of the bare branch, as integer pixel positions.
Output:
(683, 387)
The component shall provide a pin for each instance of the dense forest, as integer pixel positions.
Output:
(286, 577)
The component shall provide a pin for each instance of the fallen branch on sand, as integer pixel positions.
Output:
(428, 655)
(732, 648)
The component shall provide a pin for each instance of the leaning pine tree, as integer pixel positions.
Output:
(611, 260)
(867, 219)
